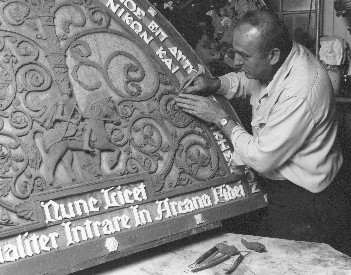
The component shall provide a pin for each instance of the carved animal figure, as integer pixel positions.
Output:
(92, 131)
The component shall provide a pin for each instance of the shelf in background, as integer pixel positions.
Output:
(343, 99)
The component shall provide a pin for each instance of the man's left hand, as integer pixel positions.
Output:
(201, 107)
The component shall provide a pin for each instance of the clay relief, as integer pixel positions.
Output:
(82, 100)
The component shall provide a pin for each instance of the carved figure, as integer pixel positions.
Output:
(91, 132)
(95, 121)
(56, 58)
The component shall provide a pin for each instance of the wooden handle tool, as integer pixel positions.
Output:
(200, 71)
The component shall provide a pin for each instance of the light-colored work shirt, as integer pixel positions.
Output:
(293, 121)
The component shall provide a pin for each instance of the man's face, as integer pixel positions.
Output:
(248, 55)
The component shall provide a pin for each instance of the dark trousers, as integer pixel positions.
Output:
(297, 214)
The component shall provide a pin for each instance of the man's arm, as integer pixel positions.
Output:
(202, 85)
(229, 85)
(202, 107)
(288, 126)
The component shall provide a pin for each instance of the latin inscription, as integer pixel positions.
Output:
(131, 208)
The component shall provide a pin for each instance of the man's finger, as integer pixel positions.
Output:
(186, 105)
(191, 90)
(190, 111)
(186, 80)
(182, 100)
(190, 96)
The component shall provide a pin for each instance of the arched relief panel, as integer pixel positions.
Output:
(90, 134)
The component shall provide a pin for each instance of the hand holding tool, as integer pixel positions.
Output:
(200, 71)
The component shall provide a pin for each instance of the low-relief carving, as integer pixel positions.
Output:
(82, 100)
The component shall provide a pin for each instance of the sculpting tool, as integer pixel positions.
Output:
(200, 71)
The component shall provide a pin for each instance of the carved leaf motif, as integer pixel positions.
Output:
(149, 130)
(5, 188)
(137, 128)
(132, 166)
(17, 158)
(158, 182)
(198, 160)
(148, 163)
(195, 168)
(28, 174)
(150, 141)
(5, 217)
(165, 79)
(127, 150)
(181, 165)
(151, 107)
(157, 156)
(174, 138)
(9, 57)
(4, 75)
(25, 211)
(204, 160)
(183, 180)
(5, 167)
(34, 157)
(136, 91)
(221, 172)
(16, 14)
(23, 187)
(16, 102)
(39, 184)
(13, 145)
(80, 52)
(165, 148)
(32, 25)
(194, 156)
(14, 166)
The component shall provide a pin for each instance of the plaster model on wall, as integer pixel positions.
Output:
(332, 54)
(332, 51)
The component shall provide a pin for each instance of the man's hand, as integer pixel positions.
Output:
(201, 107)
(202, 85)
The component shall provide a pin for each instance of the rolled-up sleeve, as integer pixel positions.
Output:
(289, 124)
(237, 85)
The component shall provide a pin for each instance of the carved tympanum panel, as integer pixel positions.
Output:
(87, 102)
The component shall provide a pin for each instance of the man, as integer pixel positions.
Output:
(293, 145)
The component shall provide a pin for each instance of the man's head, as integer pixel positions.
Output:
(262, 43)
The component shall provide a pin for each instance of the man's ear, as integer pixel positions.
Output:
(274, 56)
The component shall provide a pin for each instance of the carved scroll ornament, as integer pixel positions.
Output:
(81, 99)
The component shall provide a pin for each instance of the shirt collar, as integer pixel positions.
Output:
(282, 72)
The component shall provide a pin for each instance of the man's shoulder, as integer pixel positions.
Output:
(306, 75)
(309, 81)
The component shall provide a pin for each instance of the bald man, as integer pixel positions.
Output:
(294, 124)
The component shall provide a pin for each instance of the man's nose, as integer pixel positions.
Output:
(238, 60)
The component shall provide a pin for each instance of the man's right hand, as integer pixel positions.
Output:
(202, 85)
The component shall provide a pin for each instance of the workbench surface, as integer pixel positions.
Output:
(283, 257)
